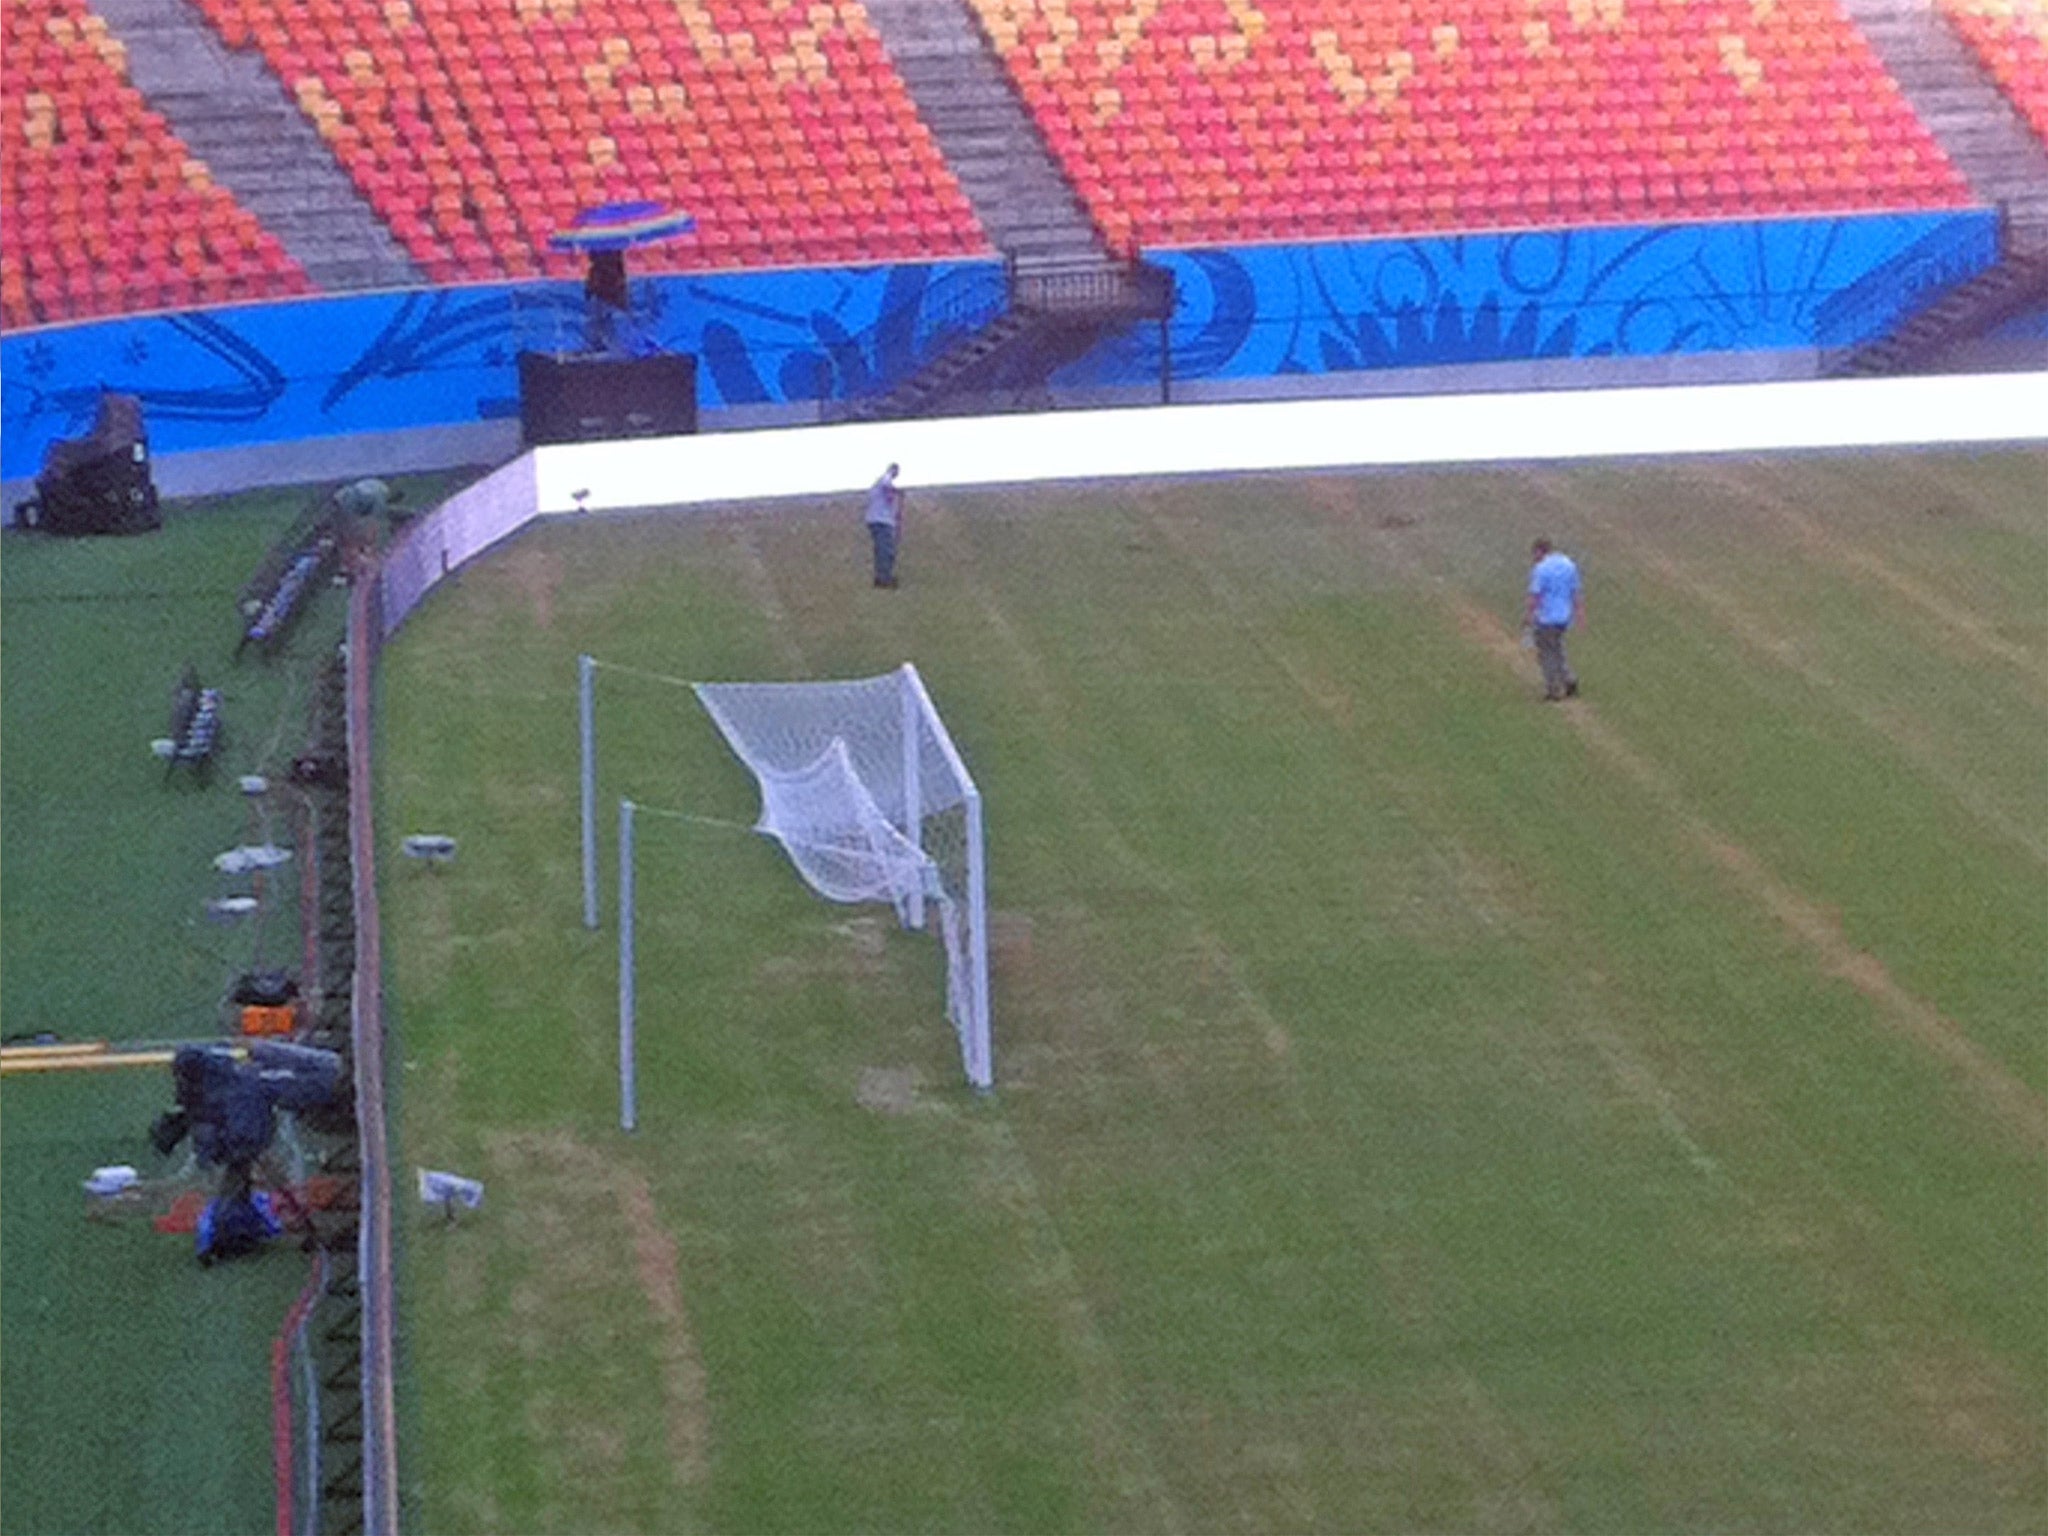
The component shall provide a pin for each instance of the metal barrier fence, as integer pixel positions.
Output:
(431, 549)
(458, 530)
(379, 1427)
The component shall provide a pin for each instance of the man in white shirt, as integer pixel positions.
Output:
(885, 524)
(1556, 602)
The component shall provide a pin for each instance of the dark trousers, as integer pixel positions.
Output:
(1558, 677)
(885, 553)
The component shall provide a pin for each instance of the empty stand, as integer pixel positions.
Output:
(479, 127)
(1955, 94)
(2011, 38)
(987, 135)
(1216, 121)
(237, 116)
(107, 210)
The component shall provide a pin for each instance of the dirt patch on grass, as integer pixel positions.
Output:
(865, 937)
(596, 1449)
(682, 1368)
(578, 1213)
(1968, 1406)
(536, 574)
(1218, 962)
(887, 1090)
(1009, 938)
(853, 950)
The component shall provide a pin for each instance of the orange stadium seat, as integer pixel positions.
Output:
(478, 127)
(100, 193)
(1363, 117)
(2010, 37)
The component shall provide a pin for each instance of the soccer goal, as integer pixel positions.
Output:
(862, 786)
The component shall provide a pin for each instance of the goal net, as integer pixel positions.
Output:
(865, 791)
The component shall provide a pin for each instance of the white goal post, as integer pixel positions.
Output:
(863, 787)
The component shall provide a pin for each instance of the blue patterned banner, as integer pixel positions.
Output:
(1257, 312)
(440, 357)
(271, 373)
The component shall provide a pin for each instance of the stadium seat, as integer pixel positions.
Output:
(1641, 111)
(93, 179)
(2011, 40)
(550, 109)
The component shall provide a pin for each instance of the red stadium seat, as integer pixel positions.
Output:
(613, 99)
(93, 181)
(2012, 42)
(1660, 108)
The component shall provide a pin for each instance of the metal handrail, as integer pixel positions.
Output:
(915, 333)
(959, 306)
(1914, 280)
(1130, 286)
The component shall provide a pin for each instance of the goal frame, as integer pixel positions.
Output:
(918, 721)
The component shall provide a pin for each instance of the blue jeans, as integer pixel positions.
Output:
(885, 553)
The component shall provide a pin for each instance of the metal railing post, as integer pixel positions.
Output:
(586, 700)
(629, 1092)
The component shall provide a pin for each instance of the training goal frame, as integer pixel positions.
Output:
(888, 732)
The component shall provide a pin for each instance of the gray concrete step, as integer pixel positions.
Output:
(965, 97)
(1961, 314)
(236, 116)
(1996, 152)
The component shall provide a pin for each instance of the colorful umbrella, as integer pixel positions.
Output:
(620, 227)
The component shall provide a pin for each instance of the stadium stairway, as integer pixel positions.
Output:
(1066, 288)
(1970, 309)
(237, 117)
(2004, 162)
(988, 137)
(1952, 93)
(1051, 317)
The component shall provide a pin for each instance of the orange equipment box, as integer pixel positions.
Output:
(269, 1021)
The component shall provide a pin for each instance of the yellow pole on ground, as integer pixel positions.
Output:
(92, 1060)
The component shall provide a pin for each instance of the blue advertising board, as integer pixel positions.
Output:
(1265, 311)
(379, 362)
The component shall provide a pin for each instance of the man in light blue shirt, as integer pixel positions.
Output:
(1555, 604)
(885, 524)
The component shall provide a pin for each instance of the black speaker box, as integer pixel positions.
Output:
(592, 399)
(99, 483)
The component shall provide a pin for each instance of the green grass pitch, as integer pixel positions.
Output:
(1418, 1108)
(134, 1388)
